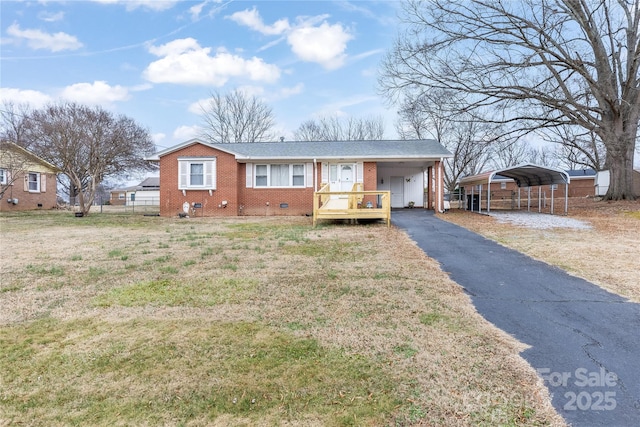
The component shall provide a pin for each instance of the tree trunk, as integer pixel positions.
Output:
(620, 164)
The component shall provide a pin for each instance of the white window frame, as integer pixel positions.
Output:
(503, 185)
(3, 176)
(209, 170)
(36, 182)
(260, 168)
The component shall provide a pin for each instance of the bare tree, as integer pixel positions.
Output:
(539, 63)
(334, 128)
(14, 163)
(237, 117)
(545, 157)
(577, 147)
(505, 154)
(437, 115)
(87, 145)
(13, 122)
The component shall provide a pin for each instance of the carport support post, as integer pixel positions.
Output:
(480, 199)
(566, 198)
(551, 199)
(518, 197)
(539, 198)
(489, 196)
(528, 199)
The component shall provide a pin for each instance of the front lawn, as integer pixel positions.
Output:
(134, 320)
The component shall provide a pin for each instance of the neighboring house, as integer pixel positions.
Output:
(280, 178)
(147, 193)
(27, 182)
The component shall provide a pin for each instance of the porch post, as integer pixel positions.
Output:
(440, 188)
(429, 187)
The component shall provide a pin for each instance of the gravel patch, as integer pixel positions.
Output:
(539, 220)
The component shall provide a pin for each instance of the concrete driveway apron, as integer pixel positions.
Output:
(584, 341)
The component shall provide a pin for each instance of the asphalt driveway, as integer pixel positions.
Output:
(584, 341)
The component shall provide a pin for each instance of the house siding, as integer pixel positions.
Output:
(172, 199)
(28, 200)
(231, 187)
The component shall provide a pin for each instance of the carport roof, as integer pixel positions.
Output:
(525, 175)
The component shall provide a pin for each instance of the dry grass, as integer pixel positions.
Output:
(131, 320)
(607, 254)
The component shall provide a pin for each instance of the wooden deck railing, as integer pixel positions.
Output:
(354, 204)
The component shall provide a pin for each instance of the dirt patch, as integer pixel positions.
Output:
(598, 241)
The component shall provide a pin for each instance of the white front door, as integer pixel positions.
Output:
(397, 191)
(347, 173)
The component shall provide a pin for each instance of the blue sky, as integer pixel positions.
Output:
(156, 61)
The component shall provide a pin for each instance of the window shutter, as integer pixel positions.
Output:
(359, 172)
(309, 167)
(26, 182)
(324, 179)
(249, 175)
(43, 183)
(208, 175)
(182, 174)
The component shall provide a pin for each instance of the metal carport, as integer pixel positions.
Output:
(525, 175)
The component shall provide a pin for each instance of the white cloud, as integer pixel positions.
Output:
(286, 92)
(37, 39)
(96, 93)
(196, 107)
(158, 138)
(252, 19)
(51, 17)
(184, 61)
(155, 5)
(338, 108)
(312, 39)
(185, 133)
(324, 44)
(33, 98)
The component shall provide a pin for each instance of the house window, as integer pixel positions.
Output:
(503, 185)
(3, 177)
(34, 182)
(298, 175)
(280, 175)
(120, 196)
(197, 174)
(554, 187)
(261, 176)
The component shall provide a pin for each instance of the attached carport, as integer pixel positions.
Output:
(524, 175)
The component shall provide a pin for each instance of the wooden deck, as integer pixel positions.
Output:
(355, 204)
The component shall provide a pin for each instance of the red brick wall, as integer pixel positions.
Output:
(116, 200)
(172, 199)
(231, 186)
(30, 201)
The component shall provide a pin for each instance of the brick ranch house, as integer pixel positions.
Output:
(280, 178)
(27, 182)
